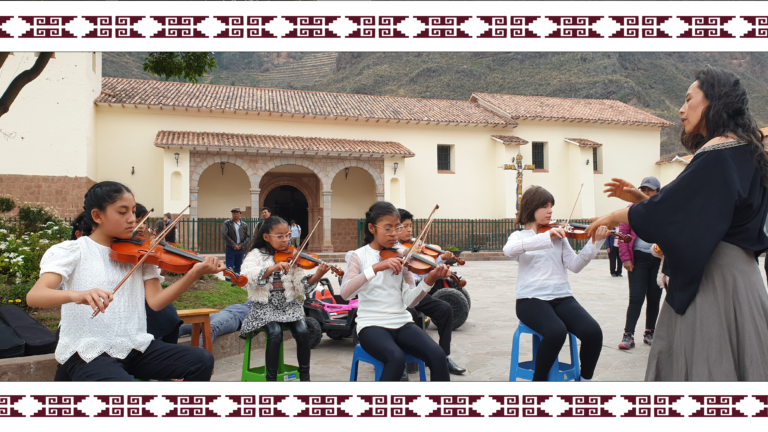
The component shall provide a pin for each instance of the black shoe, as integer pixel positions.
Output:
(613, 275)
(404, 377)
(648, 337)
(454, 368)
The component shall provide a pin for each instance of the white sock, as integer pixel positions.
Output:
(581, 378)
(448, 356)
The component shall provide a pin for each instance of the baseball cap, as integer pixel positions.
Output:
(236, 209)
(651, 182)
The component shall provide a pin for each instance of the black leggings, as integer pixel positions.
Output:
(553, 320)
(642, 285)
(387, 346)
(442, 315)
(275, 338)
(160, 361)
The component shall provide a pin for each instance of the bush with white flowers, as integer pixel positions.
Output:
(22, 247)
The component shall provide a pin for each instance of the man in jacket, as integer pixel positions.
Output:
(236, 238)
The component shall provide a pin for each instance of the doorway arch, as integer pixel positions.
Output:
(289, 203)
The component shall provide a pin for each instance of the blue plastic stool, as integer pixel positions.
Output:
(362, 356)
(560, 371)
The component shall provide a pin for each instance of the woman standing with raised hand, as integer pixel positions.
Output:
(714, 323)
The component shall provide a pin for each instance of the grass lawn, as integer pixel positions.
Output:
(218, 295)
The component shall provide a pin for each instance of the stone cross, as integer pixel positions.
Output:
(519, 168)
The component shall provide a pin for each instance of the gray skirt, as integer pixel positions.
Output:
(723, 336)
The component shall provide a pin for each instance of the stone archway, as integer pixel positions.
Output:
(377, 175)
(313, 205)
(199, 162)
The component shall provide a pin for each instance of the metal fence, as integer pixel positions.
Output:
(203, 235)
(199, 235)
(469, 234)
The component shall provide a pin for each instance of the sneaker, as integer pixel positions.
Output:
(627, 342)
(648, 337)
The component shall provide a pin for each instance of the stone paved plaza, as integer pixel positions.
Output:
(484, 343)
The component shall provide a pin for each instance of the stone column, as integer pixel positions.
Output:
(255, 203)
(327, 244)
(379, 196)
(315, 243)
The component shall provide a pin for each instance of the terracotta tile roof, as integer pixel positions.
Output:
(509, 139)
(206, 96)
(670, 159)
(280, 143)
(522, 107)
(581, 142)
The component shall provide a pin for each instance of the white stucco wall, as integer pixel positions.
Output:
(628, 152)
(51, 123)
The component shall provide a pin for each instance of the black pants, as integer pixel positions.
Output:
(642, 285)
(553, 320)
(160, 361)
(441, 314)
(275, 338)
(387, 346)
(615, 261)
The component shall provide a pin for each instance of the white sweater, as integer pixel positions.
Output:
(382, 297)
(542, 272)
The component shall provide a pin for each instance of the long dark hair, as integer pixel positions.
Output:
(99, 196)
(376, 212)
(266, 228)
(141, 211)
(728, 111)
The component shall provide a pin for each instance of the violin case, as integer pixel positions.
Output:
(10, 344)
(35, 337)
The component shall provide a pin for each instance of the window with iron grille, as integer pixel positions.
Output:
(538, 155)
(443, 158)
(594, 158)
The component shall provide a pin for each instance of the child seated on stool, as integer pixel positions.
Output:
(545, 302)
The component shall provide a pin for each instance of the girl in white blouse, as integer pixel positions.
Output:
(384, 290)
(545, 302)
(115, 345)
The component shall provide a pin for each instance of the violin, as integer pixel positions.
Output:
(307, 261)
(576, 231)
(164, 255)
(418, 264)
(433, 251)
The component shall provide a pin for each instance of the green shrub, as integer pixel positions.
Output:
(35, 216)
(21, 250)
(15, 294)
(451, 248)
(7, 203)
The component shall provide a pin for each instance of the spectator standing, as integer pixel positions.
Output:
(235, 234)
(613, 256)
(295, 234)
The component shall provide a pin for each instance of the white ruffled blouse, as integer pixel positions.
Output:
(83, 265)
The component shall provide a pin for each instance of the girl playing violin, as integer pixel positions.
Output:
(277, 297)
(545, 302)
(384, 290)
(115, 345)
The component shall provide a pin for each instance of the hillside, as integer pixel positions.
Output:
(653, 82)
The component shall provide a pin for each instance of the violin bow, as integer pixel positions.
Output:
(421, 234)
(574, 205)
(146, 255)
(144, 219)
(303, 244)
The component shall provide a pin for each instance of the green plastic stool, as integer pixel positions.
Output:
(285, 372)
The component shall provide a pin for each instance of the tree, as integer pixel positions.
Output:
(21, 80)
(187, 66)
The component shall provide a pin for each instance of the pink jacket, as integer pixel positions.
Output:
(626, 250)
